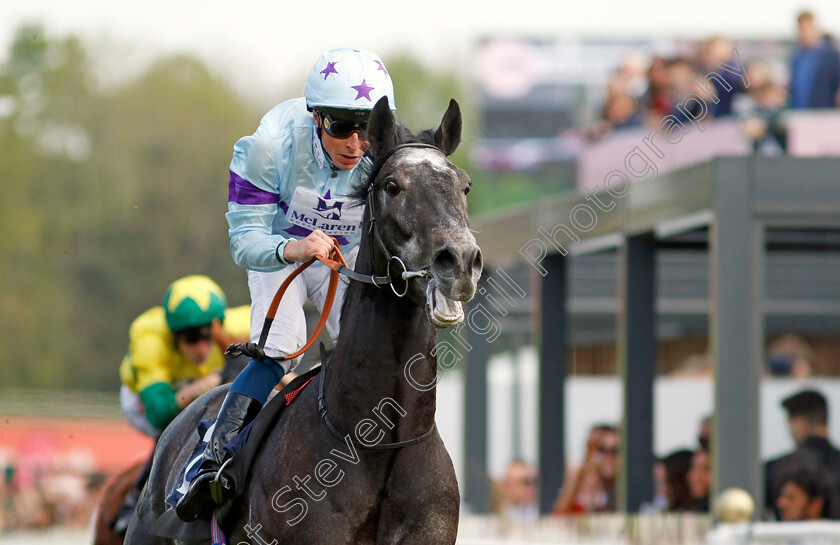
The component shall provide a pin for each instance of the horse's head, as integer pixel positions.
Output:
(418, 198)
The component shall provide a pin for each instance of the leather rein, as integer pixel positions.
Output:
(338, 266)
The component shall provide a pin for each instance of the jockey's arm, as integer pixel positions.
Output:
(196, 388)
(253, 199)
(162, 402)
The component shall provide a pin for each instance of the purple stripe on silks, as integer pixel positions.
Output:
(241, 191)
(284, 207)
(298, 231)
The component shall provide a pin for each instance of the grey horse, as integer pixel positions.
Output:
(314, 481)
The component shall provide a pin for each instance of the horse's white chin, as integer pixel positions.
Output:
(442, 311)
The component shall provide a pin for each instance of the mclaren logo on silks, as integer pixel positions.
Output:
(329, 211)
(332, 216)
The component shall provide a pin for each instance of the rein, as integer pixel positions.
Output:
(338, 266)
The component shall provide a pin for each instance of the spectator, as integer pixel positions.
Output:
(659, 502)
(714, 52)
(657, 101)
(620, 112)
(621, 107)
(519, 492)
(680, 83)
(704, 434)
(699, 479)
(804, 496)
(815, 71)
(632, 71)
(592, 489)
(808, 425)
(760, 109)
(790, 356)
(677, 465)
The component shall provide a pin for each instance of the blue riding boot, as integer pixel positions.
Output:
(208, 489)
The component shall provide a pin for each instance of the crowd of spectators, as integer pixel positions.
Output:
(805, 484)
(799, 486)
(39, 492)
(641, 92)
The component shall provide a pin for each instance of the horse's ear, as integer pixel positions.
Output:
(448, 135)
(381, 126)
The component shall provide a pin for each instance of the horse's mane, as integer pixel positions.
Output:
(373, 164)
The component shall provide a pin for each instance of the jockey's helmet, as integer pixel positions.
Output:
(193, 301)
(348, 79)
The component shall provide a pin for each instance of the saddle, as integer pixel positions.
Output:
(247, 445)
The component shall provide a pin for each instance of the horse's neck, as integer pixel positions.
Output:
(381, 336)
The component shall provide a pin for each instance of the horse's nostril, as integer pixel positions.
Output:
(445, 262)
(477, 263)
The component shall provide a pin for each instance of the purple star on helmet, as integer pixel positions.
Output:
(330, 69)
(381, 67)
(363, 90)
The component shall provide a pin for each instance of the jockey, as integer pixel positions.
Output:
(175, 354)
(287, 204)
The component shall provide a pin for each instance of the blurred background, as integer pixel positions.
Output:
(117, 122)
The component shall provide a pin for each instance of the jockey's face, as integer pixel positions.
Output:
(344, 152)
(197, 351)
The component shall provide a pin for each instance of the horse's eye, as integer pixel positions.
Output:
(392, 189)
(467, 190)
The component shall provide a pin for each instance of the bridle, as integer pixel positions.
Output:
(338, 266)
(376, 242)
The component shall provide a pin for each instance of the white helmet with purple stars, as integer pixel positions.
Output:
(348, 79)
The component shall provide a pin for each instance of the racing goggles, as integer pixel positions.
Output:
(195, 334)
(338, 127)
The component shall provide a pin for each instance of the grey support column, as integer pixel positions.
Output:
(477, 477)
(637, 366)
(552, 381)
(736, 245)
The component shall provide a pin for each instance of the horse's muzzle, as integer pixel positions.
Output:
(457, 268)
